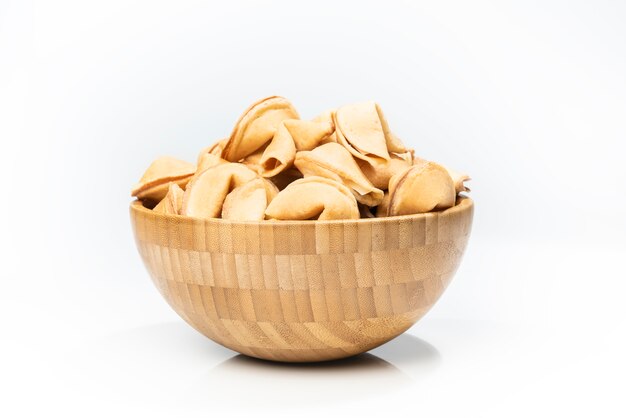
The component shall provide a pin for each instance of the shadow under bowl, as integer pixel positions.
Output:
(302, 291)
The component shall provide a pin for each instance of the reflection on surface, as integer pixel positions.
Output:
(403, 353)
(390, 367)
(409, 352)
(362, 363)
(173, 361)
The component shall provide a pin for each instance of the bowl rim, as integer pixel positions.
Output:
(463, 204)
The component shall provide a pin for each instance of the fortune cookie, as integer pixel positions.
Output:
(155, 181)
(328, 117)
(249, 201)
(279, 154)
(333, 161)
(208, 160)
(205, 194)
(172, 202)
(421, 188)
(257, 126)
(292, 135)
(308, 134)
(407, 156)
(459, 180)
(313, 198)
(253, 161)
(378, 171)
(363, 130)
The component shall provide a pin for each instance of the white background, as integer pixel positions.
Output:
(528, 97)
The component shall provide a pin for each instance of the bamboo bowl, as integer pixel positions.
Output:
(300, 291)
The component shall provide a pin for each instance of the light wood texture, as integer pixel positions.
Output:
(301, 291)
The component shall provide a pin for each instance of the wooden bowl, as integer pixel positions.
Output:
(301, 291)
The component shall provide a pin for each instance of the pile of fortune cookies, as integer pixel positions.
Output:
(342, 164)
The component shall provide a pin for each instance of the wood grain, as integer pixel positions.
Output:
(301, 291)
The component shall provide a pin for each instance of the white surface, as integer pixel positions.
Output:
(529, 98)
